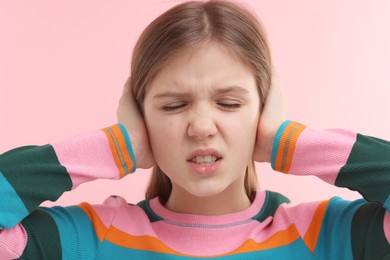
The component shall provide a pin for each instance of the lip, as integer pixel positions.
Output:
(205, 169)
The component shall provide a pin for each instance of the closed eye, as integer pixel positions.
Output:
(174, 107)
(229, 106)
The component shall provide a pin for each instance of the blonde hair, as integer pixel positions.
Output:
(187, 25)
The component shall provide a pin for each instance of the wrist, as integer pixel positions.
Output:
(121, 148)
(267, 146)
(264, 145)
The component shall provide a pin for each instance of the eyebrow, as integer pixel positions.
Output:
(171, 94)
(218, 91)
(228, 89)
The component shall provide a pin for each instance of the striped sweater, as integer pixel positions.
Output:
(271, 228)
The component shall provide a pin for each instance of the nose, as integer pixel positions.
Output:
(202, 125)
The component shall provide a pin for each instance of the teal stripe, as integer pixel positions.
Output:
(387, 204)
(275, 146)
(12, 208)
(145, 206)
(129, 146)
(43, 238)
(35, 173)
(78, 238)
(296, 250)
(368, 237)
(334, 240)
(367, 169)
(272, 202)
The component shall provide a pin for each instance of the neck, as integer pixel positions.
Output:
(226, 202)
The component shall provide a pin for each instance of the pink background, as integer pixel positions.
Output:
(63, 64)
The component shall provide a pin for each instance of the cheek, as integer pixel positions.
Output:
(166, 138)
(252, 118)
(164, 135)
(242, 126)
(240, 135)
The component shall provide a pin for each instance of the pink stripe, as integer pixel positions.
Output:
(87, 157)
(105, 213)
(213, 240)
(322, 153)
(386, 226)
(215, 243)
(129, 219)
(301, 215)
(132, 220)
(178, 230)
(205, 220)
(13, 241)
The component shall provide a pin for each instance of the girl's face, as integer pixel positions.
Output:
(202, 111)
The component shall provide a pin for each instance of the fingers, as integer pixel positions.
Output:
(272, 116)
(125, 102)
(275, 102)
(126, 86)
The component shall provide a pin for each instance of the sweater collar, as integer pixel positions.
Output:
(156, 211)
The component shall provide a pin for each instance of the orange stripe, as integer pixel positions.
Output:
(149, 243)
(99, 227)
(313, 232)
(282, 144)
(280, 238)
(114, 152)
(291, 147)
(121, 238)
(123, 148)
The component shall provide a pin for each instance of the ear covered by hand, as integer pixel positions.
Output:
(130, 117)
(271, 118)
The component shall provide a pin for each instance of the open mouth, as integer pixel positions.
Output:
(205, 163)
(204, 160)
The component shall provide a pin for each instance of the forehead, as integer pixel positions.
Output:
(205, 66)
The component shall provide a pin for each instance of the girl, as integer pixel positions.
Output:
(201, 105)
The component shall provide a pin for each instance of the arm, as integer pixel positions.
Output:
(360, 229)
(333, 228)
(32, 174)
(339, 157)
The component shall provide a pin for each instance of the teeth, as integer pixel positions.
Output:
(204, 160)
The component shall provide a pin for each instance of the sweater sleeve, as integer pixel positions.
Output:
(344, 159)
(30, 175)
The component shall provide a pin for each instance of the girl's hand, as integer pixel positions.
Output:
(271, 117)
(129, 115)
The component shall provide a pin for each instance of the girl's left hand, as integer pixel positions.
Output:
(271, 117)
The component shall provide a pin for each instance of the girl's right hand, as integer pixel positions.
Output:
(129, 115)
